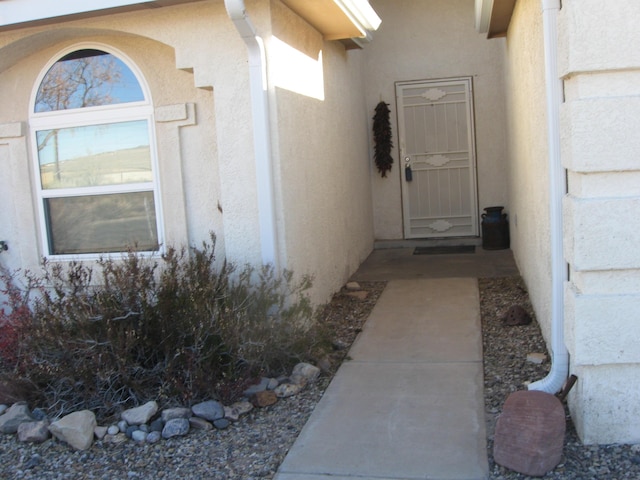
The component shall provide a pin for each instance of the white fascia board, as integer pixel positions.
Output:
(21, 11)
(362, 15)
(483, 15)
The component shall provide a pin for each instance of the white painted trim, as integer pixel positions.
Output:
(483, 15)
(361, 15)
(556, 378)
(261, 130)
(20, 11)
(125, 112)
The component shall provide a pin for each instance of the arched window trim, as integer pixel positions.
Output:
(95, 115)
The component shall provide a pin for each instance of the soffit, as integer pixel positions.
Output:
(326, 17)
(493, 16)
(337, 19)
(500, 18)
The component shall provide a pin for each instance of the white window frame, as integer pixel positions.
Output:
(97, 115)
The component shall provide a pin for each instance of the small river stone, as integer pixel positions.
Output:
(113, 429)
(209, 410)
(129, 431)
(139, 436)
(38, 414)
(157, 425)
(153, 437)
(200, 423)
(178, 412)
(100, 432)
(175, 428)
(221, 423)
(122, 425)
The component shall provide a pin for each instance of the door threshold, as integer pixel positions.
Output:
(427, 242)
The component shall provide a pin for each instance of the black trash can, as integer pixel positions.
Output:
(495, 229)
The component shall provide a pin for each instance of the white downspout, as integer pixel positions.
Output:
(261, 130)
(556, 378)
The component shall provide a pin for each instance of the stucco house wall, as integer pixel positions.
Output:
(435, 40)
(528, 164)
(599, 117)
(599, 125)
(322, 156)
(196, 67)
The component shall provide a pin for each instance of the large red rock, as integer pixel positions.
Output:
(530, 433)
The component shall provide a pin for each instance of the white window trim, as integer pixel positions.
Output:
(124, 112)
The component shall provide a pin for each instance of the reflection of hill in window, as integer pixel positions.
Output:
(87, 78)
(109, 168)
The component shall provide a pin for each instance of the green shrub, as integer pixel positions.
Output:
(176, 329)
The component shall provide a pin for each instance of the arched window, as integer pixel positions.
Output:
(95, 161)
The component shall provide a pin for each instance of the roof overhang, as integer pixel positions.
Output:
(493, 16)
(19, 13)
(350, 21)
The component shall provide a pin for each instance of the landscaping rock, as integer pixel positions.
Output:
(178, 412)
(516, 315)
(175, 428)
(210, 410)
(353, 286)
(287, 390)
(264, 399)
(139, 436)
(242, 407)
(153, 437)
(200, 423)
(304, 373)
(18, 413)
(141, 414)
(113, 430)
(117, 438)
(221, 423)
(361, 295)
(537, 358)
(100, 432)
(258, 387)
(76, 429)
(122, 425)
(231, 413)
(157, 425)
(530, 432)
(36, 432)
(39, 414)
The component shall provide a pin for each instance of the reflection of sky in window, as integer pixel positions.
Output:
(80, 142)
(86, 67)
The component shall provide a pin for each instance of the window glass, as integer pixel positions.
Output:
(107, 154)
(95, 166)
(87, 78)
(101, 223)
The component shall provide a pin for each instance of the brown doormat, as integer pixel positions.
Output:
(444, 250)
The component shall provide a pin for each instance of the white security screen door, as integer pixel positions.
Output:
(437, 153)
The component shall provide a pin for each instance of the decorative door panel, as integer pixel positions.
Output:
(437, 150)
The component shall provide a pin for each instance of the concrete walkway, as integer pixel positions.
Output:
(409, 404)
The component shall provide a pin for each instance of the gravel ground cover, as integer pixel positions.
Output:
(254, 447)
(506, 370)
